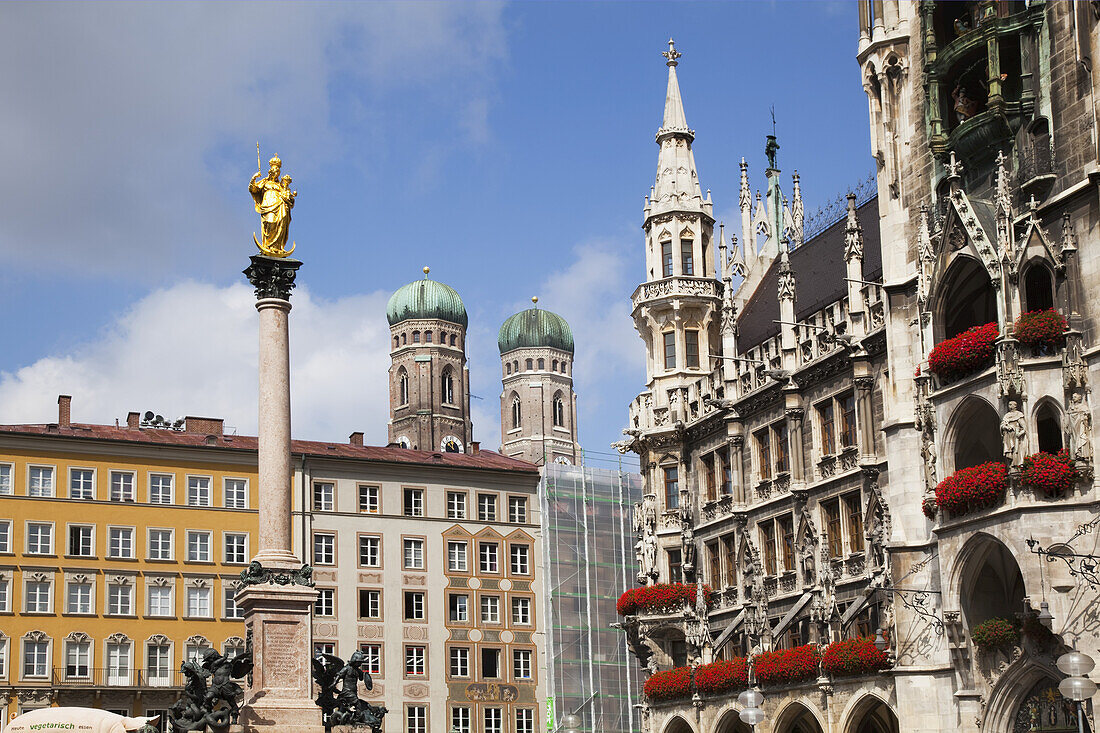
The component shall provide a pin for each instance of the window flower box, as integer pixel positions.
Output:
(671, 684)
(660, 598)
(971, 489)
(1052, 473)
(787, 665)
(961, 355)
(852, 657)
(1043, 331)
(722, 676)
(994, 633)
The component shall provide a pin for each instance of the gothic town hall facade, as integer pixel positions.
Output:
(878, 426)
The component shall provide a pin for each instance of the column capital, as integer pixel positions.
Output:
(273, 277)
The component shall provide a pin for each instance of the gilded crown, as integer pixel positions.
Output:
(275, 160)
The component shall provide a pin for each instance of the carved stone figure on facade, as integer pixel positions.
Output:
(928, 453)
(1079, 424)
(339, 692)
(212, 704)
(809, 565)
(687, 539)
(965, 107)
(1014, 434)
(649, 557)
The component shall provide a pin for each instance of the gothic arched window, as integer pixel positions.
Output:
(515, 365)
(403, 386)
(542, 364)
(416, 337)
(427, 337)
(968, 298)
(554, 365)
(508, 367)
(516, 414)
(404, 339)
(1048, 427)
(1038, 288)
(447, 387)
(452, 339)
(530, 364)
(559, 411)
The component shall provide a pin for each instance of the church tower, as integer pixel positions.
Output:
(677, 309)
(538, 409)
(429, 378)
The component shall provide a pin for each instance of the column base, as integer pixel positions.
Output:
(278, 559)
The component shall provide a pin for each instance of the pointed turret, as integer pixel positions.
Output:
(674, 119)
(677, 185)
(853, 258)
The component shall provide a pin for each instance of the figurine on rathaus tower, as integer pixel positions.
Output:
(274, 200)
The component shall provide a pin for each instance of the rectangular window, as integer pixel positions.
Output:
(160, 488)
(236, 548)
(764, 454)
(323, 496)
(727, 473)
(324, 647)
(456, 557)
(486, 507)
(691, 349)
(80, 541)
(5, 535)
(521, 664)
(232, 610)
(325, 605)
(490, 663)
(370, 551)
(687, 262)
(198, 602)
(714, 564)
(460, 661)
(81, 483)
(525, 720)
(79, 597)
(236, 493)
(370, 499)
(40, 481)
(670, 349)
(517, 509)
(521, 559)
(488, 557)
(118, 664)
(160, 544)
(826, 427)
(120, 599)
(847, 405)
(414, 502)
(458, 607)
(490, 609)
(832, 527)
(415, 608)
(675, 566)
(158, 664)
(412, 553)
(160, 600)
(521, 611)
(854, 515)
(786, 539)
(122, 486)
(198, 547)
(198, 491)
(77, 656)
(324, 549)
(39, 539)
(416, 716)
(729, 552)
(494, 720)
(709, 478)
(370, 603)
(38, 597)
(456, 505)
(767, 540)
(5, 478)
(120, 542)
(372, 658)
(782, 455)
(416, 661)
(672, 487)
(5, 597)
(36, 658)
(460, 720)
(666, 259)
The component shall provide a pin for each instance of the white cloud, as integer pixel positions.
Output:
(191, 350)
(118, 117)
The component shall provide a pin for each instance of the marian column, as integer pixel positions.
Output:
(276, 592)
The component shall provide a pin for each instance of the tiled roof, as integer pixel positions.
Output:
(485, 459)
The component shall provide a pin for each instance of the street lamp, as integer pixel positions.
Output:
(571, 723)
(750, 701)
(881, 642)
(1077, 686)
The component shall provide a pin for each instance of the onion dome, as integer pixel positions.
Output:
(535, 328)
(426, 299)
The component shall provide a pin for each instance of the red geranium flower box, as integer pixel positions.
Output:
(994, 633)
(660, 598)
(853, 657)
(787, 665)
(722, 676)
(1051, 473)
(1040, 328)
(971, 350)
(669, 684)
(969, 489)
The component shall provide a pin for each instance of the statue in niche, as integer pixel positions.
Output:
(1014, 434)
(1079, 423)
(809, 564)
(687, 539)
(928, 452)
(649, 557)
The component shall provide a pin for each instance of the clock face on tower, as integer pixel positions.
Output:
(563, 460)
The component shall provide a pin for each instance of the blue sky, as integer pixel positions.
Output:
(508, 146)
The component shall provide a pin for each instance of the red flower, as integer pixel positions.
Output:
(1040, 328)
(995, 632)
(969, 489)
(660, 598)
(956, 357)
(669, 685)
(1053, 474)
(787, 665)
(722, 676)
(853, 657)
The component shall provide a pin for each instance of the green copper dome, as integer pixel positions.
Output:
(535, 328)
(426, 299)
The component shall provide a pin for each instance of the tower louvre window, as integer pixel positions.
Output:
(559, 411)
(403, 383)
(670, 350)
(687, 261)
(447, 387)
(666, 259)
(516, 413)
(691, 349)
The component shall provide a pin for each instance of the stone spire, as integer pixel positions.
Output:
(748, 240)
(853, 259)
(677, 184)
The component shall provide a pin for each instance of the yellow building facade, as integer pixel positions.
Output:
(120, 551)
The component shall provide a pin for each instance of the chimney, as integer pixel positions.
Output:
(133, 419)
(475, 447)
(203, 425)
(64, 410)
(356, 439)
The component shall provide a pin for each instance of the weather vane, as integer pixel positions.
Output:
(273, 199)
